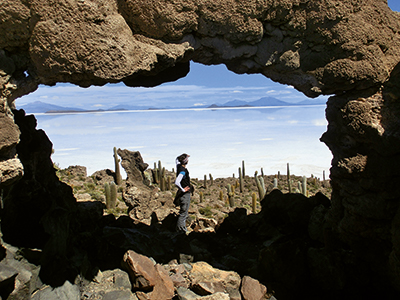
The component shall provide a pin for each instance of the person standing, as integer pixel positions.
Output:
(182, 198)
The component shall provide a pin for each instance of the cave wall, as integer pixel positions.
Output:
(349, 49)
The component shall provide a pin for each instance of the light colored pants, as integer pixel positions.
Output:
(184, 203)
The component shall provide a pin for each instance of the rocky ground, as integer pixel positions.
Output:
(210, 199)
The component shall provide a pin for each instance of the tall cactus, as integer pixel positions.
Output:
(243, 171)
(240, 180)
(107, 193)
(211, 180)
(169, 185)
(254, 202)
(288, 179)
(304, 186)
(111, 194)
(162, 180)
(159, 171)
(275, 183)
(118, 177)
(230, 196)
(261, 179)
(221, 195)
(205, 181)
(259, 187)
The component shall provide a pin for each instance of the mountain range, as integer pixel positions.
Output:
(42, 107)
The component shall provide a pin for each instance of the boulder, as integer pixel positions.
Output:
(208, 280)
(252, 289)
(147, 277)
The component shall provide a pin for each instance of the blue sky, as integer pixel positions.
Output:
(204, 85)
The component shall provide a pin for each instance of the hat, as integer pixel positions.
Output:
(183, 159)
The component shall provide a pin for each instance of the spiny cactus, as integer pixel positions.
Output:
(261, 179)
(205, 181)
(261, 191)
(118, 177)
(201, 197)
(160, 170)
(169, 185)
(275, 183)
(240, 180)
(211, 180)
(304, 186)
(243, 171)
(230, 196)
(254, 202)
(111, 194)
(288, 179)
(107, 193)
(162, 180)
(221, 195)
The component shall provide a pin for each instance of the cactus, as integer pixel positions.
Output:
(107, 193)
(162, 180)
(240, 180)
(323, 175)
(221, 195)
(299, 187)
(211, 180)
(201, 197)
(279, 175)
(205, 181)
(118, 177)
(111, 194)
(261, 179)
(288, 179)
(254, 202)
(261, 193)
(230, 196)
(304, 186)
(262, 172)
(275, 183)
(160, 169)
(169, 185)
(243, 172)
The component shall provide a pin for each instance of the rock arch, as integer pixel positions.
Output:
(348, 49)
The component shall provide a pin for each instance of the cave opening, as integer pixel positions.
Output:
(221, 118)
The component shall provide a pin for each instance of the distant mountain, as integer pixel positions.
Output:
(312, 102)
(128, 107)
(42, 107)
(265, 101)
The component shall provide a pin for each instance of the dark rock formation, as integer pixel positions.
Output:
(348, 49)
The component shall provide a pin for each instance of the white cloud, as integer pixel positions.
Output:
(199, 104)
(266, 139)
(67, 149)
(320, 122)
(293, 122)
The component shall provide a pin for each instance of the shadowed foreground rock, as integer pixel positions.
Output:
(344, 48)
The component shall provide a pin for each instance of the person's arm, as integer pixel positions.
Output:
(178, 182)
